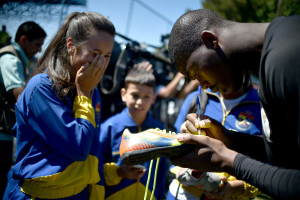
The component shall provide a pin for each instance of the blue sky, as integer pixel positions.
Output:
(144, 26)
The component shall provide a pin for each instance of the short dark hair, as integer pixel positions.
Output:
(140, 77)
(31, 30)
(185, 36)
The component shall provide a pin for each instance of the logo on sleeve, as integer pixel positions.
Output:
(244, 121)
(98, 114)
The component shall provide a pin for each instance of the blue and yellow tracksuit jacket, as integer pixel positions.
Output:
(244, 117)
(58, 154)
(111, 135)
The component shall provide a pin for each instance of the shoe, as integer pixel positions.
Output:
(138, 148)
(207, 181)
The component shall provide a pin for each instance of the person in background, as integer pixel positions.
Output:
(177, 87)
(16, 57)
(220, 50)
(4, 37)
(138, 94)
(14, 63)
(58, 115)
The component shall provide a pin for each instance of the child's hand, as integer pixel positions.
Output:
(229, 189)
(89, 75)
(131, 172)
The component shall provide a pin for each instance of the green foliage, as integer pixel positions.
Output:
(253, 10)
(290, 7)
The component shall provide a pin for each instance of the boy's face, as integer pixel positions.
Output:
(138, 99)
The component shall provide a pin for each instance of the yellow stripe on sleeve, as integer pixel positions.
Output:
(83, 108)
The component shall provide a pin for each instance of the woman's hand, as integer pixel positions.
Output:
(89, 75)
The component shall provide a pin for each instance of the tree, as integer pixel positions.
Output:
(252, 10)
(290, 7)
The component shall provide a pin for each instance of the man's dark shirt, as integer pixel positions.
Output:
(279, 92)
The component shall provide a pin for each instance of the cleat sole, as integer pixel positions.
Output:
(144, 155)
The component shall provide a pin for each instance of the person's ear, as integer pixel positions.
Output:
(23, 41)
(123, 92)
(209, 39)
(70, 46)
(23, 38)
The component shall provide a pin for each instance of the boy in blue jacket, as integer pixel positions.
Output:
(138, 94)
(240, 113)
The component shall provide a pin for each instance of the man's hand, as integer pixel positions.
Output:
(144, 65)
(209, 155)
(208, 126)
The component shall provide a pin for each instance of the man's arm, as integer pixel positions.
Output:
(250, 145)
(278, 182)
(17, 91)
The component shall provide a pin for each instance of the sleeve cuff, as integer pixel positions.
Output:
(110, 174)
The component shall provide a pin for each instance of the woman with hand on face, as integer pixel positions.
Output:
(58, 115)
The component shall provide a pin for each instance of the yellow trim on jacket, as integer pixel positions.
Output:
(67, 183)
(96, 192)
(135, 191)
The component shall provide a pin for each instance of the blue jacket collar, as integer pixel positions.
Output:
(252, 94)
(128, 121)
